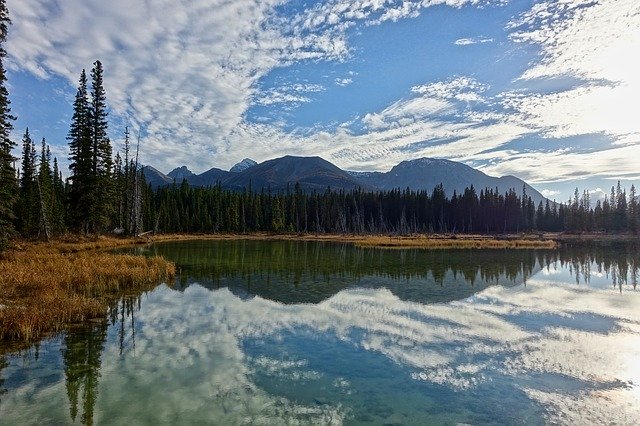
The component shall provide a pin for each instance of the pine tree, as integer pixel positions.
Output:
(80, 159)
(8, 182)
(101, 206)
(28, 205)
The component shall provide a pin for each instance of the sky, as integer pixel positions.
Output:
(543, 90)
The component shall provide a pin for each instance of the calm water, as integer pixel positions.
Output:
(285, 332)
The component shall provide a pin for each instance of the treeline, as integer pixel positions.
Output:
(181, 208)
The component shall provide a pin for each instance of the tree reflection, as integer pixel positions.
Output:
(3, 365)
(620, 264)
(82, 360)
(309, 272)
(82, 356)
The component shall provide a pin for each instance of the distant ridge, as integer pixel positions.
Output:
(209, 178)
(427, 173)
(311, 173)
(317, 174)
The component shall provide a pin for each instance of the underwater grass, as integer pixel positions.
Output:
(45, 287)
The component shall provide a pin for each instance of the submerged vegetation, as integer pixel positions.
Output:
(47, 286)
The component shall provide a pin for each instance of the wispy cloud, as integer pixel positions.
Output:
(589, 41)
(470, 41)
(188, 71)
(290, 94)
(343, 81)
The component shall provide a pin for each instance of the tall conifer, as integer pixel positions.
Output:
(101, 206)
(80, 158)
(8, 182)
(27, 219)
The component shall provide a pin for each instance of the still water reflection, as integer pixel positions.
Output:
(273, 332)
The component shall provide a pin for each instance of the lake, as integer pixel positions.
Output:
(273, 332)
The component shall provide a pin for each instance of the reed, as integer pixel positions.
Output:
(45, 287)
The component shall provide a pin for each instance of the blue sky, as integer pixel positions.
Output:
(545, 90)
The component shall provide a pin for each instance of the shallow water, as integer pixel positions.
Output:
(276, 332)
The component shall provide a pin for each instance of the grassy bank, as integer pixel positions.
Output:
(432, 241)
(45, 287)
(449, 242)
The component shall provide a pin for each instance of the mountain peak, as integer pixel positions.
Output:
(180, 173)
(243, 165)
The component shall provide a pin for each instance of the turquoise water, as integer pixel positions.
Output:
(317, 333)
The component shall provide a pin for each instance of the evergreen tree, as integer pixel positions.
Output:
(58, 217)
(28, 205)
(634, 211)
(101, 203)
(45, 188)
(81, 180)
(8, 182)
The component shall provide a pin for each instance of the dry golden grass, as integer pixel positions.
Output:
(44, 287)
(430, 241)
(467, 242)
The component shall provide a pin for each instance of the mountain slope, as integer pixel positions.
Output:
(312, 173)
(427, 173)
(155, 177)
(180, 173)
(243, 165)
(209, 178)
(316, 174)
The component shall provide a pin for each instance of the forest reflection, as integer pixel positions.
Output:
(308, 272)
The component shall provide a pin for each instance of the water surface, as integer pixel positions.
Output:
(301, 332)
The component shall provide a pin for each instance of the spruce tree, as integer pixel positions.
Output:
(27, 219)
(58, 200)
(101, 205)
(8, 182)
(45, 189)
(80, 149)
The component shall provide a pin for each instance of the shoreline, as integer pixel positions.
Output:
(74, 244)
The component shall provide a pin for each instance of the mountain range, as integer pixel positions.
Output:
(316, 174)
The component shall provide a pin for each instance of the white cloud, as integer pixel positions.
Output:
(592, 41)
(464, 89)
(289, 94)
(187, 71)
(559, 166)
(472, 40)
(343, 81)
(549, 193)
